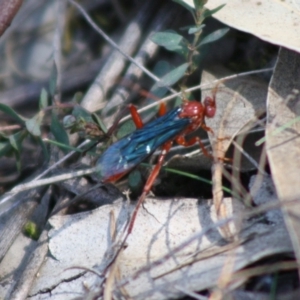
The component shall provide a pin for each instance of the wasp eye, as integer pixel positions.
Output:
(210, 111)
(210, 107)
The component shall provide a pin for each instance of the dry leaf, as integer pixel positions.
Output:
(158, 262)
(273, 21)
(282, 138)
(239, 103)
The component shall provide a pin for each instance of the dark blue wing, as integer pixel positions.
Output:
(132, 149)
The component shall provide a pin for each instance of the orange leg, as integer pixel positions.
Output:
(137, 118)
(162, 109)
(181, 140)
(165, 149)
(206, 128)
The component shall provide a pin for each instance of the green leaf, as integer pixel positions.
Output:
(160, 69)
(3, 136)
(58, 131)
(53, 80)
(195, 29)
(13, 143)
(80, 113)
(172, 41)
(3, 144)
(125, 129)
(33, 125)
(173, 76)
(99, 122)
(213, 36)
(78, 96)
(169, 79)
(9, 111)
(159, 92)
(43, 99)
(63, 146)
(199, 4)
(69, 122)
(207, 13)
(5, 147)
(13, 147)
(169, 40)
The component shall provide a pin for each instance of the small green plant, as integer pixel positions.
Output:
(79, 120)
(189, 46)
(31, 230)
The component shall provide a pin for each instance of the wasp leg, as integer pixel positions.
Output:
(181, 140)
(165, 149)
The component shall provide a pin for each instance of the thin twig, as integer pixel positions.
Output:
(46, 181)
(197, 87)
(10, 127)
(252, 160)
(113, 44)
